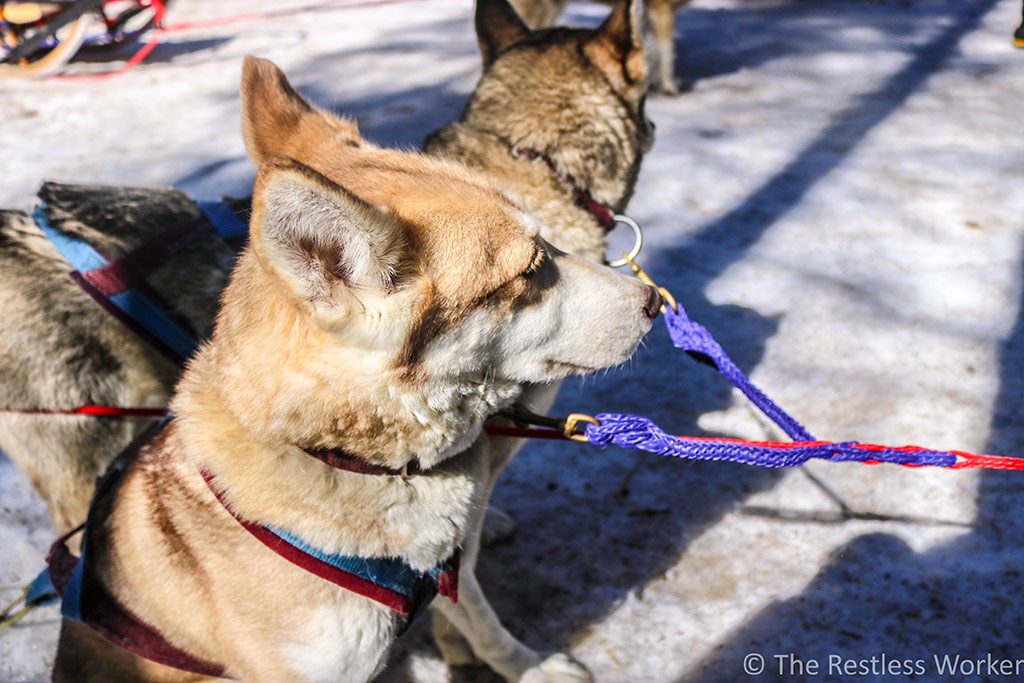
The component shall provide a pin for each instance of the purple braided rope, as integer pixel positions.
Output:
(694, 338)
(639, 433)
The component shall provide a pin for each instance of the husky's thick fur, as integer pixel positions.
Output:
(661, 22)
(58, 349)
(576, 96)
(386, 305)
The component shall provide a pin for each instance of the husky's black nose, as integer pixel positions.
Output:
(654, 302)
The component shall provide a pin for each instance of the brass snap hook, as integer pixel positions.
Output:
(522, 416)
(642, 275)
(569, 426)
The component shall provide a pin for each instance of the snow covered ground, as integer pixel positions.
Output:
(840, 200)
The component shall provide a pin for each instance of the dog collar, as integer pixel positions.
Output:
(604, 216)
(341, 459)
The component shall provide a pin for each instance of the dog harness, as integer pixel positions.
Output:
(389, 581)
(119, 287)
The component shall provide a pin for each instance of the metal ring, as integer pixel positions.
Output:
(638, 234)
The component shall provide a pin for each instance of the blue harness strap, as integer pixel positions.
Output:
(388, 572)
(228, 225)
(131, 302)
(388, 580)
(41, 591)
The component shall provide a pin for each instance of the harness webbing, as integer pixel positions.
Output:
(387, 580)
(85, 600)
(119, 286)
(132, 269)
(129, 305)
(390, 581)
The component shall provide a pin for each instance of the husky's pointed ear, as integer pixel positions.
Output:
(617, 46)
(498, 27)
(277, 121)
(318, 237)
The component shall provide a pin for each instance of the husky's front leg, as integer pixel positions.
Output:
(480, 631)
(477, 623)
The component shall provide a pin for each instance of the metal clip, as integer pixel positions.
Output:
(569, 426)
(521, 416)
(642, 275)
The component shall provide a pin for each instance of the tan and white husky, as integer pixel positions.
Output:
(387, 303)
(572, 94)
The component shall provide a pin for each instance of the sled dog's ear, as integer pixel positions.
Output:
(318, 238)
(617, 46)
(277, 121)
(498, 27)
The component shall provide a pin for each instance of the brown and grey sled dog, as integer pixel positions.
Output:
(661, 22)
(59, 349)
(386, 305)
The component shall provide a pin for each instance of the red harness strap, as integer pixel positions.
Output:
(421, 593)
(91, 411)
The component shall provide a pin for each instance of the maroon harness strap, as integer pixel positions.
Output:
(119, 626)
(108, 619)
(132, 269)
(581, 195)
(105, 616)
(122, 317)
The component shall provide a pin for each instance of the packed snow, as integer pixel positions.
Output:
(839, 199)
